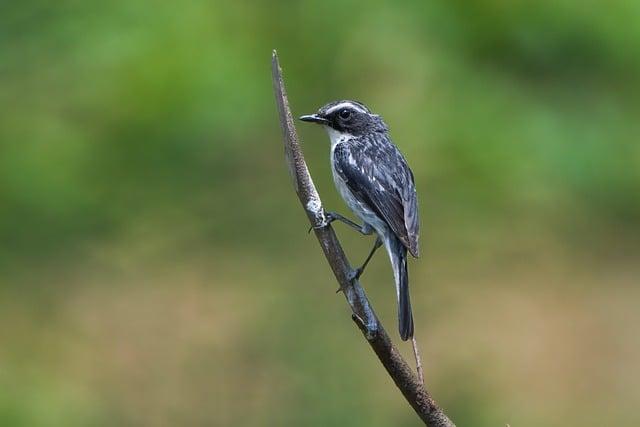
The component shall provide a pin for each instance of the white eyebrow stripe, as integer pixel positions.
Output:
(345, 105)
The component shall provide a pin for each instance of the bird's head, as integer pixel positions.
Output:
(347, 117)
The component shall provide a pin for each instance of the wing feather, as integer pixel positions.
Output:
(378, 176)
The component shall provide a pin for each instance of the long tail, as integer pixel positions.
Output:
(398, 255)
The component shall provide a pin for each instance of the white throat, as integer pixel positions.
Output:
(337, 137)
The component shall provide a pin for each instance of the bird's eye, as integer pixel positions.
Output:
(345, 114)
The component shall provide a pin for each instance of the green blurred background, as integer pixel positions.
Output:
(155, 267)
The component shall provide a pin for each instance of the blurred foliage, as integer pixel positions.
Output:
(155, 269)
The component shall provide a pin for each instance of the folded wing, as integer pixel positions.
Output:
(378, 176)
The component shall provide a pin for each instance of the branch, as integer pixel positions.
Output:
(416, 354)
(363, 315)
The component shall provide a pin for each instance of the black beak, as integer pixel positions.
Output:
(314, 118)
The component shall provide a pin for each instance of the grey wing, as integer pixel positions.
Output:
(378, 176)
(411, 217)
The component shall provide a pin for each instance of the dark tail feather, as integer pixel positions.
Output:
(405, 318)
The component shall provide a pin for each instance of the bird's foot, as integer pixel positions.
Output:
(328, 219)
(354, 274)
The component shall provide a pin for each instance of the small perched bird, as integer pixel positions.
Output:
(376, 183)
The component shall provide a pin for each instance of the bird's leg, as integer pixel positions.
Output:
(333, 216)
(355, 274)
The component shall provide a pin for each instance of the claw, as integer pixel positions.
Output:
(328, 219)
(318, 227)
(354, 274)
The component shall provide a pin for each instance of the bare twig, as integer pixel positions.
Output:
(416, 354)
(363, 315)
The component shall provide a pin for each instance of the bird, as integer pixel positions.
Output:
(376, 183)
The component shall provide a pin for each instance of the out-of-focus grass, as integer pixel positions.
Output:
(154, 264)
(212, 343)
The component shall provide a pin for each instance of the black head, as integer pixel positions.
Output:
(347, 117)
